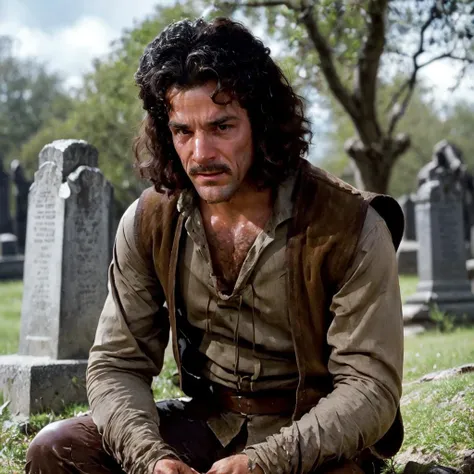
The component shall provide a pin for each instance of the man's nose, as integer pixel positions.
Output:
(203, 149)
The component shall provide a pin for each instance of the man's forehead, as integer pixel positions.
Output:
(203, 92)
(198, 102)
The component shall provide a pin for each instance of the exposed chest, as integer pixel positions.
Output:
(229, 247)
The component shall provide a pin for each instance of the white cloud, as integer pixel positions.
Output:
(68, 50)
(69, 36)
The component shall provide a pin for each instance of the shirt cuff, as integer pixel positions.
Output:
(255, 460)
(164, 453)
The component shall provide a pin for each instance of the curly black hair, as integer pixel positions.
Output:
(191, 53)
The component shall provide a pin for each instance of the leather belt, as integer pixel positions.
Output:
(257, 403)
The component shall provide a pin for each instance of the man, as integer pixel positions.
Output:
(280, 283)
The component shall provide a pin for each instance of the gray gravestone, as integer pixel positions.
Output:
(5, 218)
(22, 189)
(65, 278)
(11, 263)
(443, 280)
(408, 249)
(8, 245)
(407, 203)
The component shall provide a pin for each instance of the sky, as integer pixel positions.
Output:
(69, 34)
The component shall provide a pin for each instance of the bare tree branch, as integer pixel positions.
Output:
(450, 55)
(264, 3)
(460, 77)
(369, 61)
(320, 43)
(327, 64)
(400, 109)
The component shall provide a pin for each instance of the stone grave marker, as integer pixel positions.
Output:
(11, 263)
(443, 280)
(407, 203)
(5, 218)
(407, 252)
(8, 245)
(65, 279)
(21, 191)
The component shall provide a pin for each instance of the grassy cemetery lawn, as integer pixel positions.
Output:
(10, 307)
(438, 415)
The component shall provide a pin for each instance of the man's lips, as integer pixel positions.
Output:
(209, 177)
(209, 171)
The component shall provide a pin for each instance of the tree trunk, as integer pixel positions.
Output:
(375, 163)
(374, 176)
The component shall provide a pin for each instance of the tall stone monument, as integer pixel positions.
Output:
(443, 281)
(65, 279)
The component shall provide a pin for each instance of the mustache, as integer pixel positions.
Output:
(212, 168)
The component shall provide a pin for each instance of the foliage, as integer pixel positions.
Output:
(444, 322)
(426, 125)
(351, 49)
(29, 97)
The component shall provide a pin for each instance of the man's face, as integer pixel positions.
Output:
(213, 142)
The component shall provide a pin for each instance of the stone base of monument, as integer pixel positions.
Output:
(451, 297)
(35, 384)
(407, 256)
(11, 268)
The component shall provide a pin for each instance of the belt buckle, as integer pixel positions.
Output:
(244, 384)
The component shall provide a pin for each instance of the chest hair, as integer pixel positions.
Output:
(228, 248)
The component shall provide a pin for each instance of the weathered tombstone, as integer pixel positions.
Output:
(441, 255)
(407, 203)
(11, 263)
(5, 218)
(65, 279)
(449, 157)
(22, 188)
(407, 257)
(408, 249)
(8, 245)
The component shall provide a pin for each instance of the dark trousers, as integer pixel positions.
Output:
(74, 446)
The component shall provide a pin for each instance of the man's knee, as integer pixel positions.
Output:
(47, 448)
(62, 446)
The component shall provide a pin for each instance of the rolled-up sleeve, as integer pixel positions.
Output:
(366, 364)
(128, 351)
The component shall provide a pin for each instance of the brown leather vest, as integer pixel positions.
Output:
(322, 238)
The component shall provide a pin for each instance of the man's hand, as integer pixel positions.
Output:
(237, 464)
(172, 466)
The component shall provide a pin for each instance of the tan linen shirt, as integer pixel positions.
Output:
(129, 350)
(247, 339)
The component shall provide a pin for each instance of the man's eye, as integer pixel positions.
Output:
(182, 131)
(223, 127)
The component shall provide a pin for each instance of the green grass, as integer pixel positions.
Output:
(407, 285)
(439, 421)
(10, 307)
(438, 416)
(434, 351)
